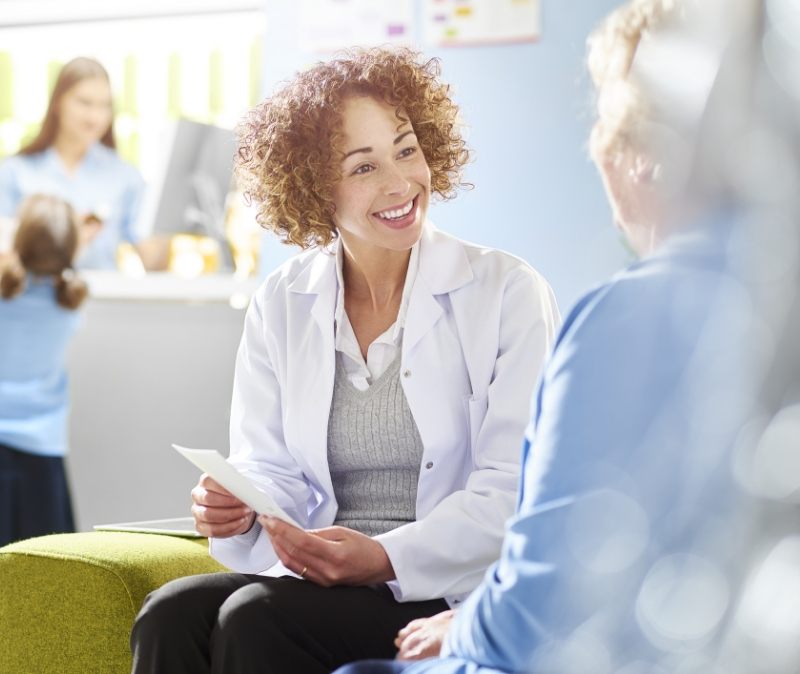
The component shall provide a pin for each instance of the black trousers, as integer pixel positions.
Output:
(34, 496)
(237, 623)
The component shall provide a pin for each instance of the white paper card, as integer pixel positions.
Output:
(212, 462)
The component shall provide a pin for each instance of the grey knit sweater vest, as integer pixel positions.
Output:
(374, 453)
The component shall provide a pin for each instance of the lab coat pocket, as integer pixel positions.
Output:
(477, 407)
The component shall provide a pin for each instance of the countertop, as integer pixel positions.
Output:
(168, 287)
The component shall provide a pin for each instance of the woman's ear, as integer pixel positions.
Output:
(644, 170)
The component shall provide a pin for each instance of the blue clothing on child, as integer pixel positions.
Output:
(102, 184)
(34, 397)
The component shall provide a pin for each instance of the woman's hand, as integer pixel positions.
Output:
(423, 638)
(218, 513)
(330, 556)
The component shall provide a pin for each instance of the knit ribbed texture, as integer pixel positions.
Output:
(374, 453)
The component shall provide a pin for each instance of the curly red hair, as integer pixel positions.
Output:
(289, 154)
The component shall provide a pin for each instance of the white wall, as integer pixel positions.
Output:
(145, 374)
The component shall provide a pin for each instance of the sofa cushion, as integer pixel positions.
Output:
(68, 601)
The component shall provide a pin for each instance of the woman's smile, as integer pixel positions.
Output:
(398, 217)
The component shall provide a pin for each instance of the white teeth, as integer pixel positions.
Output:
(397, 213)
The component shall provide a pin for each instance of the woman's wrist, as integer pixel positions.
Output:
(385, 571)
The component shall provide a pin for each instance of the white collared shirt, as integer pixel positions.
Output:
(386, 347)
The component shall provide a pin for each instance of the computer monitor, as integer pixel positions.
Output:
(192, 183)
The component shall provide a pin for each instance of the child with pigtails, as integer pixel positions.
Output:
(39, 296)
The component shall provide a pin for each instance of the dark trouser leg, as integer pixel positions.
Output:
(287, 626)
(239, 623)
(8, 496)
(35, 497)
(45, 506)
(172, 631)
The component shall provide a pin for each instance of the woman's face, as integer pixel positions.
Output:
(84, 112)
(382, 198)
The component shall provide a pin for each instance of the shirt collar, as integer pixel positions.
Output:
(91, 157)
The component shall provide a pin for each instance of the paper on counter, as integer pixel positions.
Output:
(212, 462)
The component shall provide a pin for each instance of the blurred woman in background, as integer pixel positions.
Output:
(73, 156)
(40, 294)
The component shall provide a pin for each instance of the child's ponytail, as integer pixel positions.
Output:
(12, 278)
(70, 290)
(45, 245)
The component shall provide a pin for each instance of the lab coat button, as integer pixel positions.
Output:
(407, 373)
(429, 465)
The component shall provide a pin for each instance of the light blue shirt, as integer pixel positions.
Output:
(627, 489)
(34, 396)
(103, 184)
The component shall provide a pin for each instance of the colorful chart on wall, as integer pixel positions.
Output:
(328, 25)
(450, 23)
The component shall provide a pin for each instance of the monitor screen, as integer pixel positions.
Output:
(192, 183)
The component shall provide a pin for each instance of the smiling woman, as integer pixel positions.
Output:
(381, 392)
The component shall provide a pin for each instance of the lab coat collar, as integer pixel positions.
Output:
(319, 278)
(443, 263)
(443, 267)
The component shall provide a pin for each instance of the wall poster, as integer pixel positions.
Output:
(450, 23)
(329, 25)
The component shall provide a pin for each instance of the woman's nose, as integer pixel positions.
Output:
(396, 182)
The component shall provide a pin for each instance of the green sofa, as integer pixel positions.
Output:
(68, 601)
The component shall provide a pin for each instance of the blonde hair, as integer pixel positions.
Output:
(623, 107)
(289, 155)
(45, 245)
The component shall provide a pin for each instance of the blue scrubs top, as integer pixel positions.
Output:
(102, 184)
(34, 396)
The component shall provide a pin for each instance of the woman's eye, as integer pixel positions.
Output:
(361, 170)
(407, 152)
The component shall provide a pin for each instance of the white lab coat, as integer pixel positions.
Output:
(478, 327)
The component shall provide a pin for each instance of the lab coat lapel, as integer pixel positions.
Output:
(319, 279)
(311, 377)
(443, 267)
(423, 312)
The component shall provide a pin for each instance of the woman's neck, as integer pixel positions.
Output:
(377, 277)
(70, 151)
(647, 237)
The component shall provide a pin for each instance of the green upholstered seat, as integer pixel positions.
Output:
(68, 601)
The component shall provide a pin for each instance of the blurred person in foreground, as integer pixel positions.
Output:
(644, 540)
